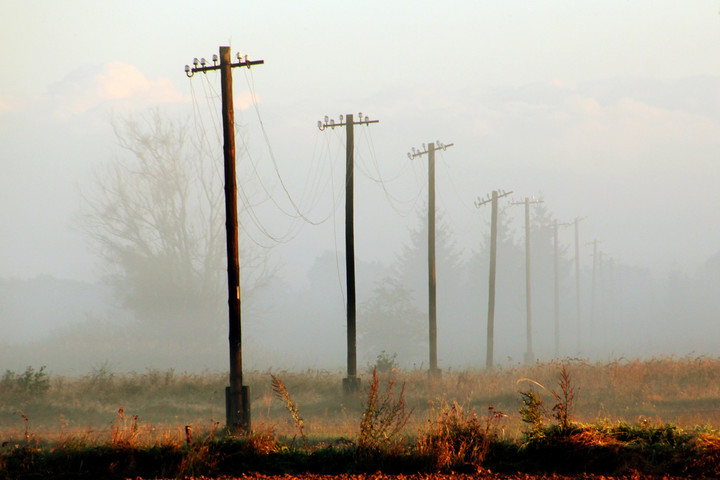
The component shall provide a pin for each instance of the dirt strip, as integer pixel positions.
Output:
(483, 475)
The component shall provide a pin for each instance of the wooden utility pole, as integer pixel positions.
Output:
(351, 383)
(529, 355)
(593, 290)
(577, 285)
(491, 283)
(556, 278)
(556, 271)
(432, 304)
(237, 395)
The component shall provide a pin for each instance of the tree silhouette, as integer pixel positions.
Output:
(395, 318)
(392, 323)
(156, 217)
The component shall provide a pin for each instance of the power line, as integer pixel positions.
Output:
(392, 199)
(274, 161)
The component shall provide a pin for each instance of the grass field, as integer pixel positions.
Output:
(422, 422)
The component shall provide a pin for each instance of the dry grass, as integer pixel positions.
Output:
(456, 438)
(605, 414)
(682, 391)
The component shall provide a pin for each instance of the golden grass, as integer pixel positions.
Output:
(158, 405)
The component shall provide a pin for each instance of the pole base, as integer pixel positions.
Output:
(529, 358)
(435, 372)
(351, 385)
(237, 410)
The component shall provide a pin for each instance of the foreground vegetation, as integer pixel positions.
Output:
(656, 417)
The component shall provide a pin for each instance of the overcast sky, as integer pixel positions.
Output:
(609, 110)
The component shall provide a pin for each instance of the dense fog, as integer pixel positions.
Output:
(112, 252)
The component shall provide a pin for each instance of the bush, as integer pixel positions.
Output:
(31, 382)
(386, 363)
(458, 440)
(533, 413)
(383, 419)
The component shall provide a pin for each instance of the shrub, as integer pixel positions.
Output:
(386, 363)
(562, 410)
(383, 418)
(457, 439)
(533, 413)
(30, 382)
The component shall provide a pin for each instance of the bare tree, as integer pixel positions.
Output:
(156, 216)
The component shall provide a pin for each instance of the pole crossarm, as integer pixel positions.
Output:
(438, 146)
(529, 200)
(482, 201)
(559, 224)
(330, 122)
(190, 71)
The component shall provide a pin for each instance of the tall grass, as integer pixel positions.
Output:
(170, 420)
(682, 391)
(383, 418)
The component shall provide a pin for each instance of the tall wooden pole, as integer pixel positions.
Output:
(592, 295)
(237, 399)
(237, 396)
(432, 303)
(351, 383)
(556, 271)
(493, 199)
(529, 356)
(491, 291)
(577, 286)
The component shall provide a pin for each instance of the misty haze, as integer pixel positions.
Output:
(465, 236)
(113, 248)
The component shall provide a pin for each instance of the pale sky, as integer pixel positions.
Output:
(609, 110)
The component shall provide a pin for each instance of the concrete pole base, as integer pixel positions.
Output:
(351, 385)
(237, 408)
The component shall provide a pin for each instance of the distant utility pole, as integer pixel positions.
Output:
(556, 269)
(593, 290)
(432, 310)
(577, 283)
(351, 383)
(601, 309)
(237, 395)
(493, 261)
(529, 355)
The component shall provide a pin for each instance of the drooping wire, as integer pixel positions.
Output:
(335, 200)
(314, 179)
(297, 213)
(199, 122)
(394, 201)
(248, 206)
(462, 227)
